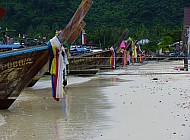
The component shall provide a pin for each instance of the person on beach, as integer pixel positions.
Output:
(5, 38)
(124, 53)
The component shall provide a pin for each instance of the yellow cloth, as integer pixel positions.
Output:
(134, 54)
(53, 65)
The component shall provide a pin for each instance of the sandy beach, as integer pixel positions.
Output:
(140, 102)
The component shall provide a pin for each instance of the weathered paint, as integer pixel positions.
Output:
(17, 68)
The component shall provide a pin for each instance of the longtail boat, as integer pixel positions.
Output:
(19, 67)
(95, 60)
(88, 61)
(71, 39)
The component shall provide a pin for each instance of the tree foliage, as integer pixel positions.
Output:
(106, 19)
(166, 40)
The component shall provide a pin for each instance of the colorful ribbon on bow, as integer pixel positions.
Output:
(112, 58)
(56, 67)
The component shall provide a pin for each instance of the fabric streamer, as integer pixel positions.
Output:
(66, 44)
(122, 45)
(112, 58)
(56, 67)
(66, 63)
(124, 58)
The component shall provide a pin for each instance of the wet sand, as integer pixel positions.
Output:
(146, 102)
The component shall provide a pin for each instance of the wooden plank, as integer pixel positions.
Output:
(76, 32)
(76, 20)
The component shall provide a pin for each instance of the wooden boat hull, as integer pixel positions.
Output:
(71, 31)
(40, 74)
(90, 60)
(6, 103)
(17, 68)
(96, 60)
(85, 72)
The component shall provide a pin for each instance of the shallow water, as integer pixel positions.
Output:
(111, 106)
(35, 115)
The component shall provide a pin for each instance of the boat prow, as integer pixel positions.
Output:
(6, 103)
(19, 67)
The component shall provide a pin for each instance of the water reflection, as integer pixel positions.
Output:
(2, 120)
(35, 115)
(85, 105)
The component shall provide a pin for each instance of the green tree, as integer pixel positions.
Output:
(166, 41)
